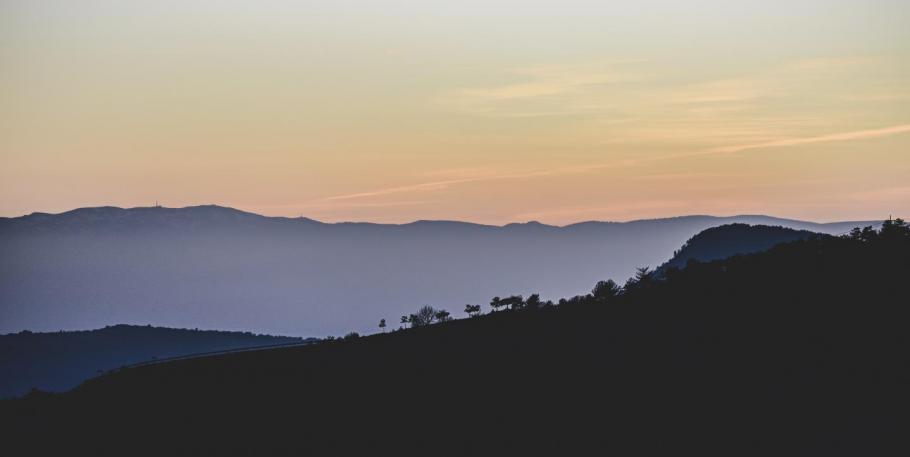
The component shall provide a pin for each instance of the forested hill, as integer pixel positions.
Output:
(61, 360)
(798, 350)
(728, 240)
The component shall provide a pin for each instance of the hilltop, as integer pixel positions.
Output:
(732, 239)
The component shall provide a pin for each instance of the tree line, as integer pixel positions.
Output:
(608, 291)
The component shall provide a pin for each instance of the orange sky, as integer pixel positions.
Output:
(493, 111)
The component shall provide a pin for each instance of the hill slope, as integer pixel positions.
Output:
(172, 267)
(61, 360)
(729, 240)
(800, 350)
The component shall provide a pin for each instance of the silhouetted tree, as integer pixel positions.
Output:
(382, 325)
(894, 229)
(443, 316)
(405, 320)
(496, 303)
(642, 274)
(424, 316)
(641, 279)
(605, 291)
(533, 302)
(515, 302)
(472, 310)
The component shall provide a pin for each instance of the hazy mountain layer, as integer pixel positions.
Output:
(215, 267)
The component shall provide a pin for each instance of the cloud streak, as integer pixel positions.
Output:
(433, 185)
(554, 90)
(444, 184)
(846, 136)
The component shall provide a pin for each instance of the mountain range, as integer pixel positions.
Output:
(218, 267)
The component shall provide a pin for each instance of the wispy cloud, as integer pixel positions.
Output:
(444, 184)
(695, 116)
(352, 203)
(580, 169)
(543, 90)
(645, 103)
(425, 186)
(845, 136)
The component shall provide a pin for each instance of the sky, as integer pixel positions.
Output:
(486, 111)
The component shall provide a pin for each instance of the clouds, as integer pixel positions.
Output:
(548, 90)
(398, 111)
(420, 187)
(444, 184)
(845, 136)
(487, 176)
(652, 102)
(634, 119)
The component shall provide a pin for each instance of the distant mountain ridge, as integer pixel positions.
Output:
(217, 267)
(203, 215)
(57, 361)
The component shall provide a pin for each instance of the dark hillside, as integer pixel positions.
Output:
(728, 240)
(800, 350)
(62, 360)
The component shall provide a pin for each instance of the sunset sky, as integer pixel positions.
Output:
(485, 111)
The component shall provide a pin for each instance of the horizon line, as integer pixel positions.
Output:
(213, 205)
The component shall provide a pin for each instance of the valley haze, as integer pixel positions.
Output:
(221, 268)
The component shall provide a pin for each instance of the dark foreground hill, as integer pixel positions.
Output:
(61, 360)
(800, 350)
